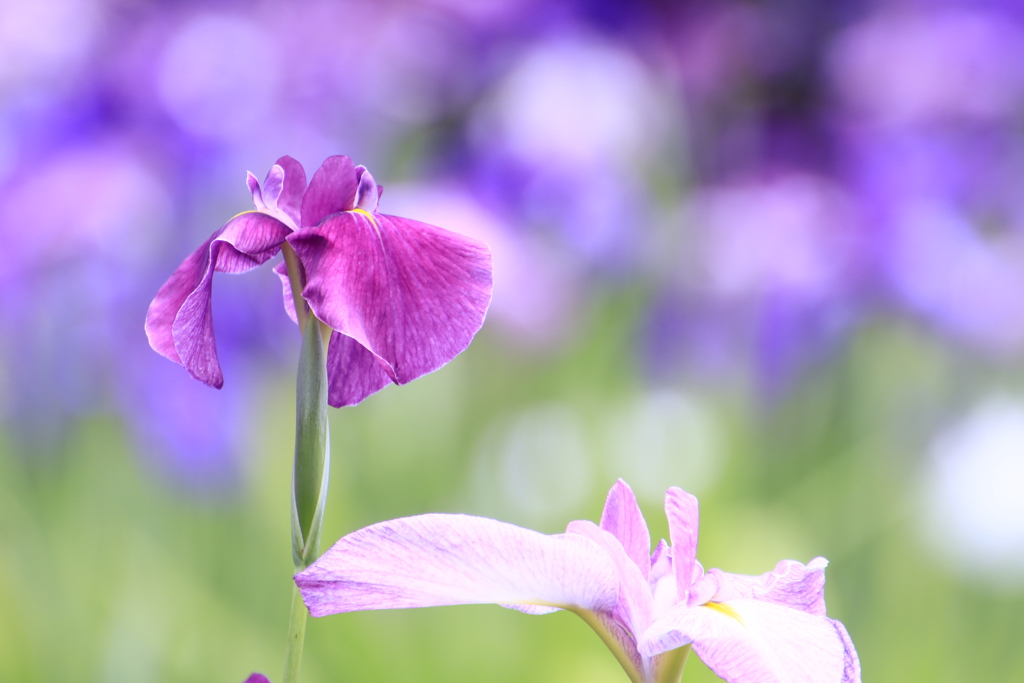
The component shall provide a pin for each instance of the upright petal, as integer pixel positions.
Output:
(791, 584)
(332, 190)
(683, 522)
(623, 520)
(282, 191)
(257, 678)
(751, 641)
(179, 322)
(353, 372)
(293, 188)
(368, 193)
(456, 560)
(634, 606)
(412, 294)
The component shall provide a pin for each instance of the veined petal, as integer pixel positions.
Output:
(634, 606)
(293, 187)
(281, 194)
(332, 190)
(791, 584)
(442, 559)
(412, 294)
(752, 641)
(179, 321)
(353, 372)
(623, 520)
(683, 523)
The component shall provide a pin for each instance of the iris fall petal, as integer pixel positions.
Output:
(179, 322)
(455, 560)
(412, 294)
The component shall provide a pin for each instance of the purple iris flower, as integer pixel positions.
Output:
(747, 629)
(402, 297)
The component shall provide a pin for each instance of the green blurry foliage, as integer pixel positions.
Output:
(108, 575)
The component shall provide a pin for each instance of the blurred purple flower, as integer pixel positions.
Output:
(933, 149)
(747, 629)
(402, 297)
(257, 678)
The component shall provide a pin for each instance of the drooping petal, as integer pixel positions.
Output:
(634, 606)
(752, 641)
(281, 270)
(683, 523)
(623, 520)
(179, 321)
(353, 372)
(412, 294)
(442, 559)
(332, 190)
(792, 584)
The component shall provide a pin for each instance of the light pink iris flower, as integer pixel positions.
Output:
(402, 297)
(748, 629)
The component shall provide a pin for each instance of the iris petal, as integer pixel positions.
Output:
(412, 294)
(456, 560)
(683, 521)
(623, 520)
(332, 190)
(179, 322)
(752, 641)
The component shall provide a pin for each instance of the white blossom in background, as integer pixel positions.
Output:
(974, 492)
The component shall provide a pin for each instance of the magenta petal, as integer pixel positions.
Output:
(281, 270)
(368, 193)
(294, 187)
(791, 584)
(353, 372)
(179, 321)
(457, 560)
(332, 190)
(623, 520)
(751, 641)
(683, 518)
(412, 294)
(257, 678)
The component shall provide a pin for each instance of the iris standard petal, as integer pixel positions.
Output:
(353, 373)
(332, 190)
(412, 294)
(623, 520)
(442, 559)
(293, 188)
(179, 321)
(792, 584)
(751, 641)
(683, 524)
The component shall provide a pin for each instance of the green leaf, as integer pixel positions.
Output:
(312, 446)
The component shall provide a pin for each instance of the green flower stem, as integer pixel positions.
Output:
(310, 475)
(296, 637)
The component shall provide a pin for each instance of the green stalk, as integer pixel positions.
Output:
(310, 475)
(296, 637)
